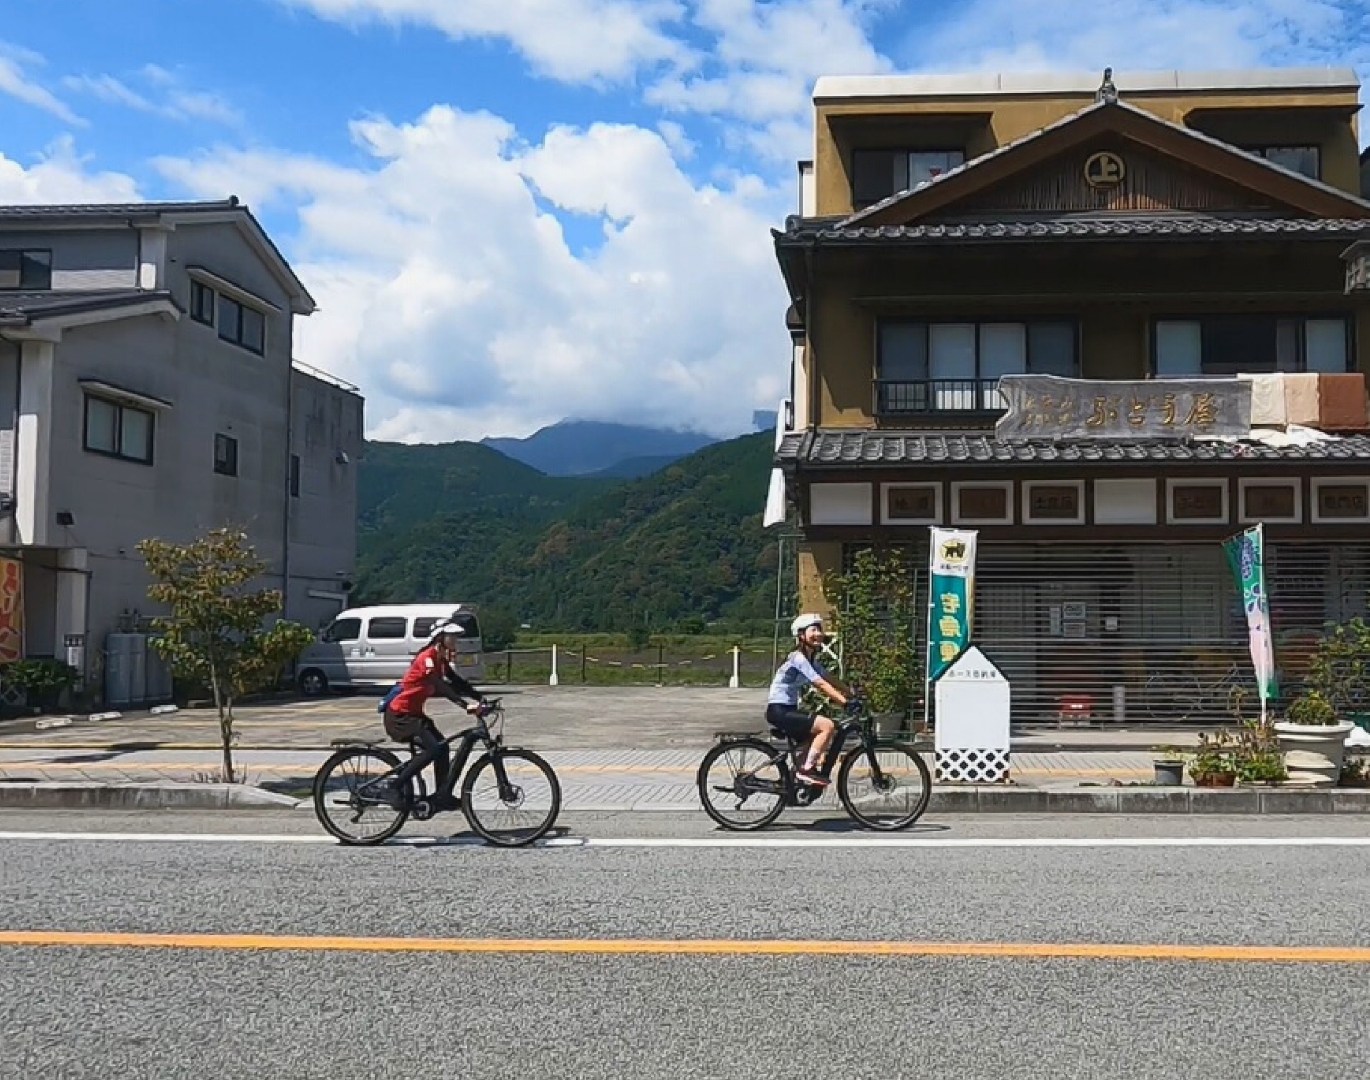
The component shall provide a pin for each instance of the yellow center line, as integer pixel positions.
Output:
(701, 947)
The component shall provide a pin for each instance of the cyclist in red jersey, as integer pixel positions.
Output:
(430, 675)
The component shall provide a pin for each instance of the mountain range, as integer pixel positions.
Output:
(679, 547)
(587, 447)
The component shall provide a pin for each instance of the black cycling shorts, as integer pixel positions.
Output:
(793, 722)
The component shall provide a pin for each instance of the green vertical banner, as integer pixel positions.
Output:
(951, 597)
(1246, 556)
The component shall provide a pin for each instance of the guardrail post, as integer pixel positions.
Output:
(553, 680)
(733, 683)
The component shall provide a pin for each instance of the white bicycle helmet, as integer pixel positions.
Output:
(803, 622)
(445, 628)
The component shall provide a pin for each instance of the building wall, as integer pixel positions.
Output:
(326, 428)
(986, 121)
(88, 259)
(1106, 290)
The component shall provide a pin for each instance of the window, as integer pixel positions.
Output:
(925, 367)
(294, 476)
(242, 325)
(1305, 160)
(343, 630)
(388, 628)
(26, 269)
(120, 431)
(1250, 344)
(202, 299)
(423, 627)
(225, 455)
(878, 174)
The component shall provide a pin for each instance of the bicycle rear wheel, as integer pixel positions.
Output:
(518, 800)
(354, 783)
(749, 771)
(897, 797)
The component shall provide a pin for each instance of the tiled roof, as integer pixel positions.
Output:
(1098, 106)
(800, 231)
(835, 449)
(23, 308)
(51, 211)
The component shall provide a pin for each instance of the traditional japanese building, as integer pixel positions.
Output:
(1105, 323)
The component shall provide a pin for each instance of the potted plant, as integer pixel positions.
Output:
(1260, 762)
(1169, 764)
(42, 681)
(1214, 761)
(1313, 740)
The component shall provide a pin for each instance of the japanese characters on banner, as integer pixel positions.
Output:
(951, 597)
(1246, 556)
(1052, 407)
(11, 610)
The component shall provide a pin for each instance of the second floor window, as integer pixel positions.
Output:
(878, 174)
(1249, 344)
(25, 270)
(225, 455)
(954, 366)
(119, 431)
(242, 325)
(202, 299)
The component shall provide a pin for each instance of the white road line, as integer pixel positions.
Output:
(779, 842)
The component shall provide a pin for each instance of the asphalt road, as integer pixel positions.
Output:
(576, 960)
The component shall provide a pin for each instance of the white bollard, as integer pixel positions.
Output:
(734, 682)
(553, 680)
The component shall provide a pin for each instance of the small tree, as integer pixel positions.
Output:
(875, 618)
(214, 634)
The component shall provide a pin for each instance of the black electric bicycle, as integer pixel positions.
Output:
(756, 780)
(363, 776)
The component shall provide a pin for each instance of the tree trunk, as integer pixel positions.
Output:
(224, 704)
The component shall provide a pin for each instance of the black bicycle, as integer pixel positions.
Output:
(363, 776)
(757, 780)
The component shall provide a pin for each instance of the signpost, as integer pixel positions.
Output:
(973, 706)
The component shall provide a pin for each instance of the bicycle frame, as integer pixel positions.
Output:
(478, 733)
(793, 794)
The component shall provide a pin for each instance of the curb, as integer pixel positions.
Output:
(53, 794)
(971, 800)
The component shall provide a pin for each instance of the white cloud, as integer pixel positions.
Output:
(59, 175)
(763, 60)
(18, 83)
(165, 95)
(1004, 35)
(453, 298)
(568, 40)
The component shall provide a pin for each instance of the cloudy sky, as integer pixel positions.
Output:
(514, 211)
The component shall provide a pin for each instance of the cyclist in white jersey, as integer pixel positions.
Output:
(799, 670)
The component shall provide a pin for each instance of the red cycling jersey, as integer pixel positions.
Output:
(420, 683)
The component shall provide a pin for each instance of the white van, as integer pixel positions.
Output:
(372, 646)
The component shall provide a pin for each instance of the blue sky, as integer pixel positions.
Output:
(512, 211)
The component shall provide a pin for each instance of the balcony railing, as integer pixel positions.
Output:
(901, 398)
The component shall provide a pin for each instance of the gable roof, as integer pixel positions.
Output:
(148, 214)
(1293, 190)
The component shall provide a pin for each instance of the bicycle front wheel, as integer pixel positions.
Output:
(743, 783)
(355, 798)
(511, 797)
(886, 787)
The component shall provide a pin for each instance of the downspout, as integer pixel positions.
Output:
(285, 518)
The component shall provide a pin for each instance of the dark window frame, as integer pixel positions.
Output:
(1303, 318)
(232, 317)
(225, 464)
(941, 320)
(859, 201)
(199, 294)
(294, 476)
(25, 259)
(120, 409)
